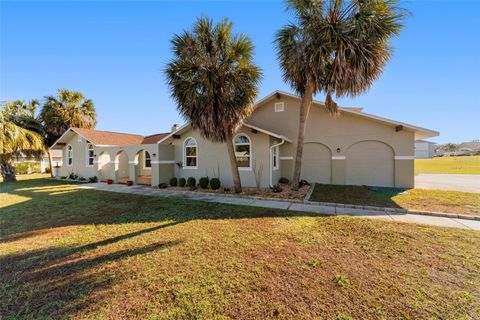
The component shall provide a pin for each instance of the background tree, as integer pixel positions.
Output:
(214, 82)
(67, 109)
(334, 47)
(19, 132)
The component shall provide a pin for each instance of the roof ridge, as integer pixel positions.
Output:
(156, 134)
(131, 134)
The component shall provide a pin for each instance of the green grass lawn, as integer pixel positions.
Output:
(461, 165)
(467, 203)
(71, 253)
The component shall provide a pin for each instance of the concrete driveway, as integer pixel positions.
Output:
(457, 182)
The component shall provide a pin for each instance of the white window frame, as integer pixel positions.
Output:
(88, 155)
(69, 155)
(276, 158)
(279, 107)
(185, 153)
(145, 160)
(249, 168)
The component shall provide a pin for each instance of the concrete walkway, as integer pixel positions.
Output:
(456, 182)
(277, 204)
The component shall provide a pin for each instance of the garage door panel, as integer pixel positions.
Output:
(370, 163)
(317, 163)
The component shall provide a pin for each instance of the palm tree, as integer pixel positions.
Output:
(19, 132)
(214, 82)
(67, 109)
(334, 47)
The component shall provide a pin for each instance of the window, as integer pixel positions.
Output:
(190, 153)
(279, 107)
(243, 151)
(275, 158)
(147, 160)
(90, 155)
(69, 155)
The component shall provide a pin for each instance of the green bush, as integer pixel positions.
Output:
(182, 182)
(215, 183)
(93, 179)
(63, 177)
(203, 182)
(191, 182)
(73, 176)
(82, 179)
(173, 182)
(48, 170)
(27, 167)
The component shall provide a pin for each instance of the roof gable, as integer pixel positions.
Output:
(420, 133)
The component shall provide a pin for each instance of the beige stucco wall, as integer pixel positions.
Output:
(213, 157)
(79, 165)
(340, 132)
(115, 162)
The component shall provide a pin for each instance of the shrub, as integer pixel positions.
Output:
(27, 167)
(342, 281)
(283, 180)
(203, 182)
(93, 179)
(215, 183)
(162, 185)
(82, 179)
(173, 182)
(182, 182)
(191, 182)
(63, 177)
(73, 176)
(48, 170)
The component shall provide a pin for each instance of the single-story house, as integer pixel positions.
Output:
(354, 148)
(424, 149)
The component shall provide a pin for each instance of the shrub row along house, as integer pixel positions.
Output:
(354, 148)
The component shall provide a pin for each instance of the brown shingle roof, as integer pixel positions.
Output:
(154, 138)
(99, 137)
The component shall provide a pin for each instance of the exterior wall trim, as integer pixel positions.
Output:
(339, 157)
(404, 157)
(133, 162)
(286, 158)
(163, 161)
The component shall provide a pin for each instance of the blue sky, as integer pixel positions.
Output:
(115, 53)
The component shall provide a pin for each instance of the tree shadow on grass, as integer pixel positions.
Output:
(54, 286)
(50, 204)
(61, 281)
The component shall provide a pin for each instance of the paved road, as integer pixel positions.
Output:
(457, 182)
(410, 218)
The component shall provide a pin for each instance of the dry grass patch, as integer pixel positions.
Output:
(90, 254)
(455, 165)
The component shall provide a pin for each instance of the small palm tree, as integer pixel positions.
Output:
(67, 109)
(214, 82)
(19, 132)
(335, 47)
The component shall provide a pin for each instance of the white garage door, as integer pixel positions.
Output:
(370, 163)
(317, 163)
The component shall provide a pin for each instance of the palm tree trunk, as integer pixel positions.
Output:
(304, 110)
(50, 162)
(237, 185)
(7, 170)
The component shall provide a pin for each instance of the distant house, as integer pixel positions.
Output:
(355, 148)
(470, 148)
(43, 162)
(424, 149)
